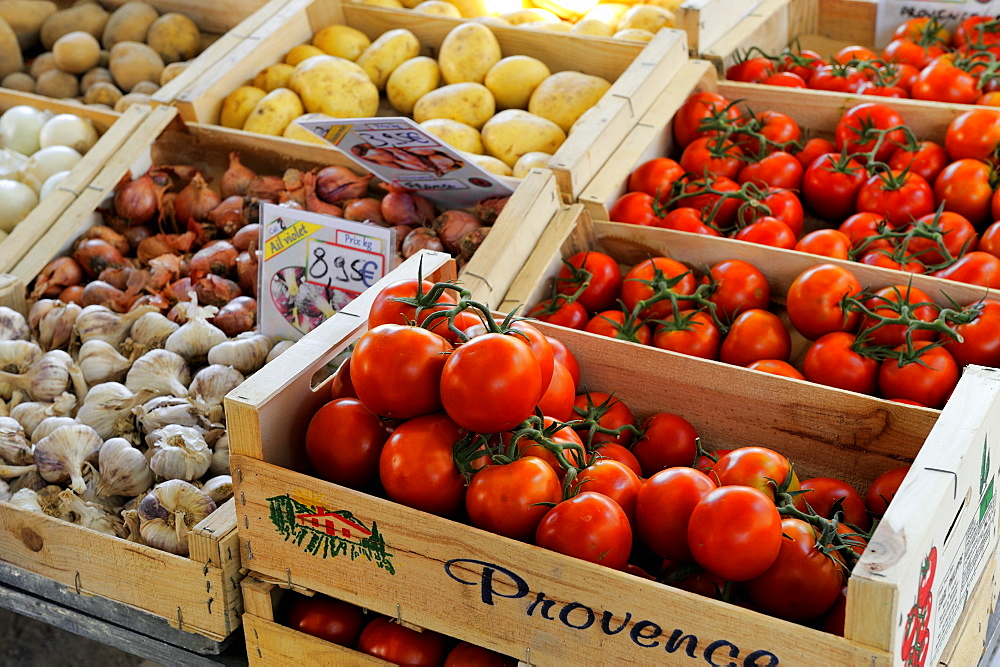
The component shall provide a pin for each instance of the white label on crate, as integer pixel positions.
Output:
(314, 265)
(399, 151)
(891, 13)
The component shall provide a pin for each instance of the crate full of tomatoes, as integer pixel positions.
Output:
(530, 508)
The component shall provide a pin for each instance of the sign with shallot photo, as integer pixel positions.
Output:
(313, 265)
(397, 150)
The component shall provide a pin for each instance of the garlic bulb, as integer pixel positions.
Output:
(51, 503)
(159, 372)
(246, 353)
(219, 488)
(48, 425)
(197, 335)
(220, 457)
(108, 409)
(90, 515)
(61, 454)
(148, 332)
(52, 322)
(131, 519)
(169, 512)
(164, 410)
(123, 469)
(14, 446)
(101, 362)
(112, 503)
(31, 480)
(278, 348)
(5, 493)
(16, 356)
(32, 413)
(210, 386)
(45, 379)
(179, 452)
(8, 471)
(26, 499)
(98, 322)
(13, 326)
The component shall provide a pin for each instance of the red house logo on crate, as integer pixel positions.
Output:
(305, 521)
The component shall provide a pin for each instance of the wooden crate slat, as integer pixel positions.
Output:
(706, 21)
(766, 28)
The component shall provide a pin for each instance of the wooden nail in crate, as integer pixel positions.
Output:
(488, 590)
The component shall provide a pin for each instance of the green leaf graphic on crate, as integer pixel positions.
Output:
(328, 534)
(985, 482)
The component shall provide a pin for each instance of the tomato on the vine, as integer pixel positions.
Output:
(815, 300)
(883, 490)
(635, 208)
(735, 532)
(867, 127)
(417, 468)
(589, 526)
(613, 479)
(344, 442)
(755, 334)
(901, 196)
(929, 380)
(776, 367)
(605, 282)
(612, 413)
(830, 185)
(557, 400)
(663, 510)
(739, 286)
(757, 467)
(387, 310)
(333, 620)
(974, 268)
(980, 342)
(822, 494)
(825, 243)
(965, 187)
(696, 109)
(505, 498)
(636, 287)
(384, 638)
(696, 335)
(668, 440)
(655, 177)
(974, 134)
(832, 361)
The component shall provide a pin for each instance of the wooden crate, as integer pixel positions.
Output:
(113, 135)
(767, 23)
(198, 594)
(547, 608)
(706, 21)
(639, 71)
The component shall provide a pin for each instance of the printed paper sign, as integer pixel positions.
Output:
(949, 12)
(314, 265)
(398, 150)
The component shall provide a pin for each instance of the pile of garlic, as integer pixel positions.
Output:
(115, 421)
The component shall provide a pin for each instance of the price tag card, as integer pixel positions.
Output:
(399, 151)
(313, 265)
(950, 13)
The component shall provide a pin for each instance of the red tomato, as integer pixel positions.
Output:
(973, 268)
(958, 237)
(735, 532)
(822, 493)
(696, 335)
(615, 452)
(837, 78)
(387, 310)
(417, 468)
(396, 370)
(964, 187)
(786, 79)
(776, 170)
(705, 462)
(386, 639)
(611, 323)
(663, 510)
(558, 311)
(492, 383)
(803, 582)
(834, 620)
(912, 53)
(884, 489)
(557, 401)
(825, 243)
(861, 227)
(890, 302)
(929, 381)
(980, 344)
(802, 62)
(716, 156)
(655, 177)
(469, 655)
(340, 383)
(926, 158)
(739, 286)
(667, 275)
(610, 412)
(867, 127)
(589, 526)
(321, 616)
(776, 367)
(751, 70)
(504, 499)
(831, 361)
(784, 205)
(768, 231)
(703, 194)
(990, 240)
(941, 81)
(812, 149)
(757, 467)
(898, 195)
(686, 219)
(974, 134)
(755, 334)
(830, 185)
(697, 108)
(605, 283)
(854, 52)
(815, 300)
(636, 208)
(922, 29)
(613, 479)
(668, 441)
(344, 441)
(564, 355)
(567, 437)
(766, 132)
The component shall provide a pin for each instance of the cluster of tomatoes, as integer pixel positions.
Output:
(893, 342)
(345, 624)
(924, 61)
(481, 421)
(886, 197)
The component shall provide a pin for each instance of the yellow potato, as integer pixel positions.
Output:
(132, 62)
(410, 81)
(471, 9)
(438, 8)
(342, 41)
(514, 78)
(238, 105)
(491, 164)
(299, 133)
(459, 135)
(646, 17)
(175, 37)
(607, 12)
(633, 35)
(592, 27)
(334, 86)
(529, 161)
(468, 52)
(470, 103)
(564, 96)
(129, 23)
(513, 132)
(274, 112)
(391, 49)
(519, 16)
(76, 52)
(299, 53)
(273, 76)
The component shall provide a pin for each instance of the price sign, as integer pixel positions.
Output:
(314, 265)
(398, 150)
(950, 13)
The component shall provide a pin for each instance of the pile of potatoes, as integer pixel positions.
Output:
(508, 113)
(629, 21)
(85, 52)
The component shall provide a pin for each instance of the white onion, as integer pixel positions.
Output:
(20, 126)
(12, 164)
(52, 182)
(16, 201)
(67, 129)
(48, 161)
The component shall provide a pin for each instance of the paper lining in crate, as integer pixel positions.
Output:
(547, 608)
(114, 129)
(638, 71)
